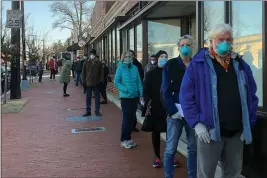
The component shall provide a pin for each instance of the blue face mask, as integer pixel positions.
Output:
(223, 48)
(127, 61)
(162, 62)
(185, 50)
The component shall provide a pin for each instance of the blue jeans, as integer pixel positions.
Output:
(89, 98)
(129, 108)
(77, 76)
(173, 134)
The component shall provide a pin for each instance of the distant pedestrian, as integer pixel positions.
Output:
(65, 76)
(105, 83)
(93, 75)
(40, 71)
(78, 70)
(127, 80)
(82, 82)
(53, 68)
(152, 63)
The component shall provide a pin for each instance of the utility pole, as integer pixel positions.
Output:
(15, 92)
(23, 42)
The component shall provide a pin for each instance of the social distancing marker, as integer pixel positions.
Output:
(82, 119)
(86, 130)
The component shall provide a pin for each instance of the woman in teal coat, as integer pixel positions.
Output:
(65, 76)
(129, 84)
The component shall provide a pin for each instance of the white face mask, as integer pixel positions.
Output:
(153, 62)
(92, 56)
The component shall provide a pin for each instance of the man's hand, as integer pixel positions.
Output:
(177, 116)
(142, 101)
(202, 133)
(242, 138)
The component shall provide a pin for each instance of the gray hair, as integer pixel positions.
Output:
(185, 37)
(220, 29)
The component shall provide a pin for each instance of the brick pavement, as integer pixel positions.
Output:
(38, 141)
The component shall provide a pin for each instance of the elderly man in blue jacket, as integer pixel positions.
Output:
(218, 98)
(172, 77)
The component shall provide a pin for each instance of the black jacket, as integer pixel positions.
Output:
(157, 120)
(106, 73)
(140, 68)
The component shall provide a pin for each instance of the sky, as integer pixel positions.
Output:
(41, 18)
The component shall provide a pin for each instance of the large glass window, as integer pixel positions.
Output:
(213, 15)
(247, 33)
(102, 48)
(131, 39)
(113, 51)
(163, 35)
(109, 50)
(139, 43)
(118, 52)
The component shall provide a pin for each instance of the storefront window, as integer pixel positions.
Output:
(213, 15)
(118, 53)
(131, 39)
(109, 50)
(247, 33)
(139, 43)
(163, 35)
(102, 48)
(113, 51)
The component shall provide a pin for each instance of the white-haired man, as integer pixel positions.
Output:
(218, 98)
(172, 77)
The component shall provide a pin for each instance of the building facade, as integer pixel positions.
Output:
(149, 26)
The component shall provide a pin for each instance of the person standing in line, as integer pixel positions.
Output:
(141, 74)
(218, 98)
(172, 77)
(93, 75)
(40, 71)
(155, 116)
(78, 70)
(105, 83)
(82, 82)
(65, 76)
(73, 70)
(53, 68)
(153, 63)
(127, 80)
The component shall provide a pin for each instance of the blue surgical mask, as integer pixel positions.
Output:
(162, 62)
(127, 61)
(185, 51)
(223, 48)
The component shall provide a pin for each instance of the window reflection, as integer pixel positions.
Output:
(131, 39)
(139, 43)
(213, 15)
(163, 35)
(109, 50)
(113, 51)
(247, 33)
(118, 53)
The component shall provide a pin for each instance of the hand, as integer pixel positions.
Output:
(177, 116)
(242, 138)
(142, 101)
(202, 133)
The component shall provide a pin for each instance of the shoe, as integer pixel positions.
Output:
(98, 114)
(66, 95)
(157, 163)
(126, 144)
(132, 143)
(87, 114)
(176, 163)
(135, 130)
(103, 102)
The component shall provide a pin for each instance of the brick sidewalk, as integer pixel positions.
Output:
(38, 141)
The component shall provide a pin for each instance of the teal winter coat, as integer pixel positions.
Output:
(128, 81)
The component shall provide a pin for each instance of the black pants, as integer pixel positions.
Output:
(53, 74)
(65, 88)
(103, 88)
(73, 73)
(156, 143)
(40, 76)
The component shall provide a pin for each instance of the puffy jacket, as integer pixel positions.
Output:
(65, 72)
(127, 80)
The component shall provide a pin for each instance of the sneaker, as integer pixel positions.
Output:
(126, 144)
(133, 144)
(135, 130)
(157, 163)
(66, 95)
(176, 163)
(103, 102)
(87, 114)
(98, 114)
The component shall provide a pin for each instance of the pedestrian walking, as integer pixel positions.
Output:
(139, 66)
(218, 98)
(172, 77)
(127, 80)
(105, 83)
(40, 71)
(65, 76)
(155, 115)
(53, 68)
(93, 75)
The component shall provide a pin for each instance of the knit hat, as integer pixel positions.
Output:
(93, 51)
(160, 53)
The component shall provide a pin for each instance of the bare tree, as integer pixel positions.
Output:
(72, 15)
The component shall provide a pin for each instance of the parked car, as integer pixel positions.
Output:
(3, 73)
